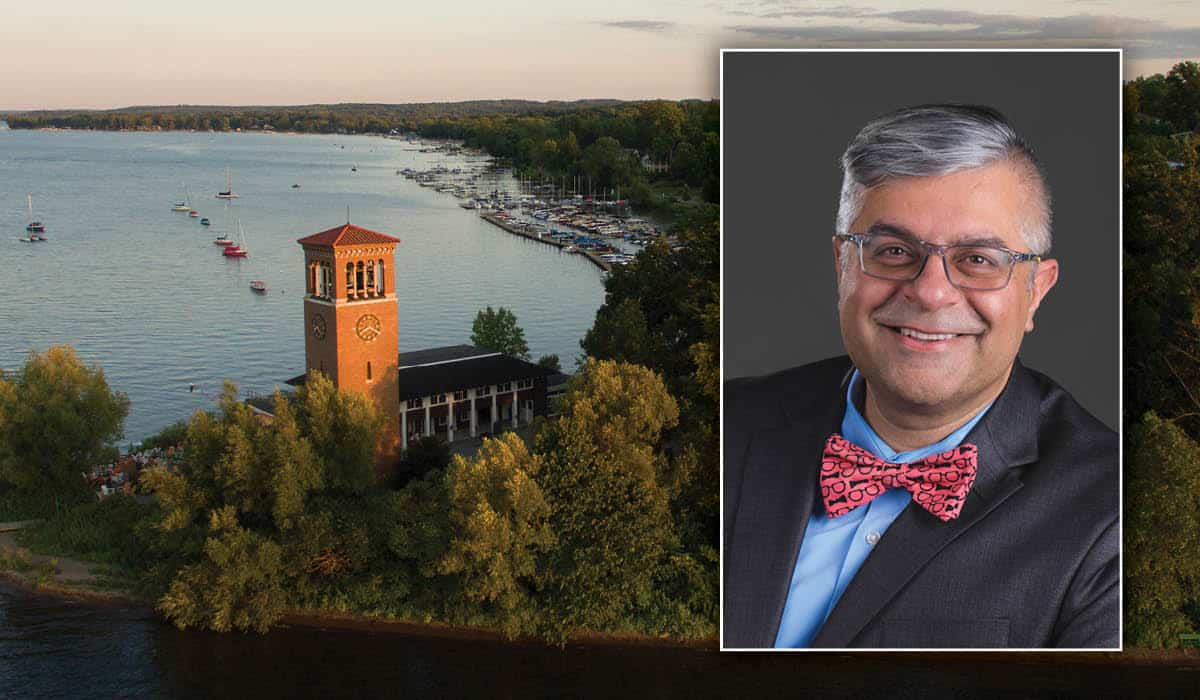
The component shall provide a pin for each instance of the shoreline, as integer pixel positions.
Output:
(329, 619)
(325, 620)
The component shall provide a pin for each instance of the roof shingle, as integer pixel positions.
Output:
(346, 234)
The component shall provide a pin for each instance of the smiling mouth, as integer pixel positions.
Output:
(922, 335)
(925, 336)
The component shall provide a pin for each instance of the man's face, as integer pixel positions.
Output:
(969, 368)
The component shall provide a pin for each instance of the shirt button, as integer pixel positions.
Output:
(872, 538)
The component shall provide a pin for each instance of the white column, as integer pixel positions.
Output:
(515, 407)
(492, 417)
(473, 413)
(449, 417)
(428, 423)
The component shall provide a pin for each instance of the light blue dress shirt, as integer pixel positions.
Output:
(834, 548)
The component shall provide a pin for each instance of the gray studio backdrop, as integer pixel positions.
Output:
(789, 115)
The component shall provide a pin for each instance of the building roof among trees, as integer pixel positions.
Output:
(450, 353)
(448, 369)
(448, 377)
(346, 234)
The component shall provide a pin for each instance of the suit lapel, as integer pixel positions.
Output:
(1006, 437)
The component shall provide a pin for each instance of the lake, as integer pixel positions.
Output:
(55, 647)
(142, 291)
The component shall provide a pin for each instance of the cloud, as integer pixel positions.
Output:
(641, 25)
(935, 28)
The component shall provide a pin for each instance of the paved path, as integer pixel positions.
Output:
(69, 572)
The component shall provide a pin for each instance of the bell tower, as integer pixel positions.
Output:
(351, 329)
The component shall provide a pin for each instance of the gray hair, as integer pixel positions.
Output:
(933, 140)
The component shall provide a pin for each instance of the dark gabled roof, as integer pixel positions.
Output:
(346, 234)
(557, 379)
(450, 353)
(447, 377)
(448, 369)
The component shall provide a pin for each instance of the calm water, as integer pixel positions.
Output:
(50, 647)
(142, 291)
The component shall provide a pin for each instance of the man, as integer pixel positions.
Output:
(928, 491)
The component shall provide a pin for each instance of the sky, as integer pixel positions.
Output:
(73, 54)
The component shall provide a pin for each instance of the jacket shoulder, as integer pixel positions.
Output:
(767, 399)
(1067, 431)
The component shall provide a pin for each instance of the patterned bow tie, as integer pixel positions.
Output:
(851, 477)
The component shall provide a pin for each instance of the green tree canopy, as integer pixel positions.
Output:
(58, 419)
(499, 519)
(343, 428)
(498, 330)
(425, 454)
(608, 509)
(240, 513)
(1162, 535)
(663, 312)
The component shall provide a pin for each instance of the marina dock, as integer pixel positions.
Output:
(519, 229)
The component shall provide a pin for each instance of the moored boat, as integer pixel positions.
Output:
(34, 226)
(186, 204)
(205, 222)
(258, 286)
(237, 250)
(228, 192)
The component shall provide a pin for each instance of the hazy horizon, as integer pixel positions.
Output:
(271, 53)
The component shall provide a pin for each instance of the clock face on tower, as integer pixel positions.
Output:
(318, 326)
(368, 327)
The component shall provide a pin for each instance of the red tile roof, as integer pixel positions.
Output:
(346, 234)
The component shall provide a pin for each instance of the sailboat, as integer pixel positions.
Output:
(186, 204)
(34, 227)
(228, 192)
(237, 250)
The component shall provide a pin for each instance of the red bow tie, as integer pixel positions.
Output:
(851, 477)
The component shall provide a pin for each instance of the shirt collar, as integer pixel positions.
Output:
(856, 429)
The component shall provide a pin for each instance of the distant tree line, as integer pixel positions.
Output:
(1162, 356)
(626, 146)
(353, 118)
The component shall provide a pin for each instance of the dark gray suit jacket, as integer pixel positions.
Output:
(1032, 561)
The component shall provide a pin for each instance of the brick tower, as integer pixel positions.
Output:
(350, 320)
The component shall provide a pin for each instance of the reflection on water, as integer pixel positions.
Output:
(53, 647)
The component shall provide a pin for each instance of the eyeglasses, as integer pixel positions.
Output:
(900, 258)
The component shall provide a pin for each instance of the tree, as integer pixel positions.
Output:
(609, 164)
(498, 330)
(237, 585)
(608, 509)
(343, 428)
(1183, 95)
(663, 312)
(1162, 544)
(245, 482)
(424, 455)
(498, 516)
(58, 419)
(550, 362)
